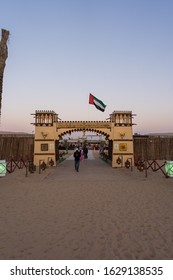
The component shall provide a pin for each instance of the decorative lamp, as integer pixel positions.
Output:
(51, 162)
(140, 165)
(169, 168)
(118, 160)
(2, 168)
(127, 163)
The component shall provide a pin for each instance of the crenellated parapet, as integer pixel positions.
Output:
(83, 124)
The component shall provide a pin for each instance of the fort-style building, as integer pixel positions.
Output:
(49, 130)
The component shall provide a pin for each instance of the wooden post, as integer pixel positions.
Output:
(146, 158)
(27, 163)
(3, 57)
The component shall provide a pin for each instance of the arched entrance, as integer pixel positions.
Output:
(49, 128)
(92, 139)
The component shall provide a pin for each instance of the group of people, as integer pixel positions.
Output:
(79, 155)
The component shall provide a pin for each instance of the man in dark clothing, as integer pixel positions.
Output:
(77, 155)
(85, 151)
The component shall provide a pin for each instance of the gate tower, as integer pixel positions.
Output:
(122, 138)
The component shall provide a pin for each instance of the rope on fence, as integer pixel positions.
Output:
(12, 164)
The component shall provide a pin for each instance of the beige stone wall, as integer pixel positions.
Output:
(122, 146)
(44, 148)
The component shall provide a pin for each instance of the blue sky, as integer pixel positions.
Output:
(61, 50)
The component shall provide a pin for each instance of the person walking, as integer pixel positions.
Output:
(85, 152)
(77, 155)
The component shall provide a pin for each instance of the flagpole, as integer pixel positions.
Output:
(88, 109)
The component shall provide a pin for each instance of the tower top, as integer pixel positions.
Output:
(122, 118)
(121, 112)
(45, 112)
(45, 117)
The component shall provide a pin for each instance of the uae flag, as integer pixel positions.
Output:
(98, 103)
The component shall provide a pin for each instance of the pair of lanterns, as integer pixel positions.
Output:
(127, 162)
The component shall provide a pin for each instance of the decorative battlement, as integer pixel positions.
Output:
(122, 118)
(45, 117)
(122, 112)
(83, 124)
(45, 112)
(48, 117)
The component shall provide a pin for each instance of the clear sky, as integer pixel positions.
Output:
(61, 50)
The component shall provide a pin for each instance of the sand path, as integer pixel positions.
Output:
(98, 213)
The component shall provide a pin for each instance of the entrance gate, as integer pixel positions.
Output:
(49, 128)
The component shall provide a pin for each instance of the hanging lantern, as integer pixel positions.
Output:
(127, 163)
(51, 162)
(43, 165)
(169, 168)
(119, 160)
(140, 165)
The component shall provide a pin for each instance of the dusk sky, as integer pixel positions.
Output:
(59, 51)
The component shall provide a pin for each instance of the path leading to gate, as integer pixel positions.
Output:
(98, 213)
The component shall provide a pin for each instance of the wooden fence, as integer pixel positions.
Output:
(16, 147)
(158, 148)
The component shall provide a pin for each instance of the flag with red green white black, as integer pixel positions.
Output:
(98, 103)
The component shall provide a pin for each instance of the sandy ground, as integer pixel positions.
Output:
(96, 214)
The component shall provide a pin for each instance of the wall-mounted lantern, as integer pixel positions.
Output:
(127, 163)
(119, 161)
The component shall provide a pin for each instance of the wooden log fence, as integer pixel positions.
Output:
(12, 164)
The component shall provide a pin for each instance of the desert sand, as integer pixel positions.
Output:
(99, 213)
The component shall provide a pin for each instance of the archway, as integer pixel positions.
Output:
(93, 139)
